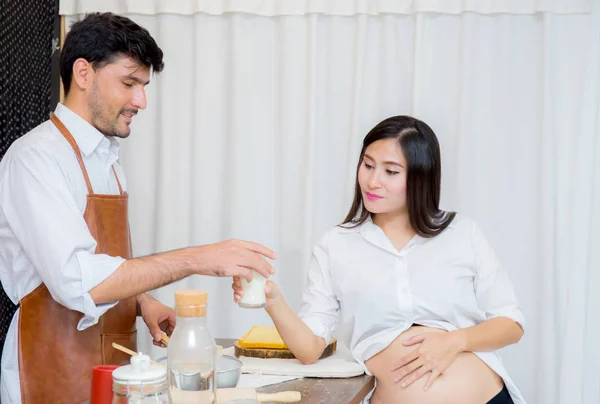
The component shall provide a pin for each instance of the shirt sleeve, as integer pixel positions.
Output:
(320, 306)
(493, 289)
(44, 217)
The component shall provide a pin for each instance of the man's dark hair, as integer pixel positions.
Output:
(100, 38)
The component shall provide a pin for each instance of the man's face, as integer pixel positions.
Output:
(116, 94)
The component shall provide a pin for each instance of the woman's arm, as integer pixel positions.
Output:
(504, 325)
(489, 335)
(300, 340)
(306, 334)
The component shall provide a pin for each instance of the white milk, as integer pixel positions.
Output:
(254, 292)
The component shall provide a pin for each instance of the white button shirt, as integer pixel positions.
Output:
(43, 236)
(359, 282)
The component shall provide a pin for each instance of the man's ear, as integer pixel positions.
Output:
(83, 73)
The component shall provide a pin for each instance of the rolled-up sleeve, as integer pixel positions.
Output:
(320, 305)
(493, 288)
(95, 268)
(43, 215)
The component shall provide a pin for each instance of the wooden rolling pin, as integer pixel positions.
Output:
(225, 396)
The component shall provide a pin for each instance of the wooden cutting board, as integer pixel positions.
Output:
(278, 353)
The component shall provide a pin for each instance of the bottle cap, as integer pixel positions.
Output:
(191, 303)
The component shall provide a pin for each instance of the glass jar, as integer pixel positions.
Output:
(140, 383)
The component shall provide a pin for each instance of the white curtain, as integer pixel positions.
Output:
(330, 7)
(253, 131)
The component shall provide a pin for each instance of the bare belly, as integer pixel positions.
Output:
(468, 380)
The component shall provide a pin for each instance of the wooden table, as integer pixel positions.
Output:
(350, 390)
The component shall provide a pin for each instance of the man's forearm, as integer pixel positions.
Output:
(139, 275)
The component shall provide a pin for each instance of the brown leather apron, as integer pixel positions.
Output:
(56, 360)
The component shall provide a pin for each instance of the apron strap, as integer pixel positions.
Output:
(117, 178)
(65, 132)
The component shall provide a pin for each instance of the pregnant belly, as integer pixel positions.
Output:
(468, 380)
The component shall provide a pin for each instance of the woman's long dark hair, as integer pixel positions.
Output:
(421, 150)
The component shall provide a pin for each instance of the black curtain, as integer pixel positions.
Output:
(29, 85)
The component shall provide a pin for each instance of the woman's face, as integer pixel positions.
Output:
(382, 177)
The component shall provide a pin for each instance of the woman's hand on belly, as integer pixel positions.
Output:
(467, 380)
(432, 357)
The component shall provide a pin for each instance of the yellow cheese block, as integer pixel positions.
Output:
(262, 337)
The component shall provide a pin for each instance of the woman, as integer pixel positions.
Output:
(417, 292)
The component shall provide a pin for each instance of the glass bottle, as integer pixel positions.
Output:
(191, 353)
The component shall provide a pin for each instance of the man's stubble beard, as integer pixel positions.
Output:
(99, 111)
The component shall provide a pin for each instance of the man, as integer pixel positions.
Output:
(65, 253)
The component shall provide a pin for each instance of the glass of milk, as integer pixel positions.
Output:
(254, 292)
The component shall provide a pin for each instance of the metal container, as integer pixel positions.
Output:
(229, 369)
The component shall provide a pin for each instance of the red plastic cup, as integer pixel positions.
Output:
(102, 383)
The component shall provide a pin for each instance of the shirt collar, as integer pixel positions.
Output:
(88, 138)
(375, 235)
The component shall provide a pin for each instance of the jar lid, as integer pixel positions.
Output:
(191, 303)
(191, 297)
(139, 371)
